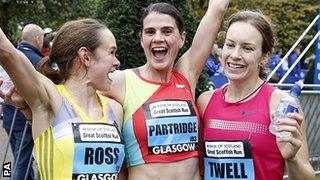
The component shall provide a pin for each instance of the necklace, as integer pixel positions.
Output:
(224, 93)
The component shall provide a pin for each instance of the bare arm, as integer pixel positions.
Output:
(21, 72)
(203, 101)
(117, 110)
(193, 61)
(299, 166)
(38, 91)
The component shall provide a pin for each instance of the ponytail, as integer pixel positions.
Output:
(50, 69)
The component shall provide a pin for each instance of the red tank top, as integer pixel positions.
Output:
(164, 128)
(237, 139)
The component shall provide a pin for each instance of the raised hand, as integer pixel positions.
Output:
(13, 97)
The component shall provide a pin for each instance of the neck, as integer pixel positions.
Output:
(82, 93)
(241, 92)
(85, 97)
(161, 76)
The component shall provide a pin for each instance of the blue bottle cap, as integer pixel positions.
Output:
(296, 89)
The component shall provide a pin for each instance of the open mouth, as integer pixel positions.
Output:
(159, 52)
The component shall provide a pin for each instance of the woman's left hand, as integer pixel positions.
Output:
(290, 145)
(13, 97)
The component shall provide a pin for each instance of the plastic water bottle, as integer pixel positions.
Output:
(288, 104)
(7, 83)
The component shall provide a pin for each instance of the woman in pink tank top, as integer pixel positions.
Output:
(237, 142)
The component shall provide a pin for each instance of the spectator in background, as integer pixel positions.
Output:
(274, 61)
(213, 64)
(307, 63)
(215, 69)
(48, 37)
(295, 73)
(30, 45)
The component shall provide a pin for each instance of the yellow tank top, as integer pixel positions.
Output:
(76, 147)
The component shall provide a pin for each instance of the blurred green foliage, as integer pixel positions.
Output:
(290, 18)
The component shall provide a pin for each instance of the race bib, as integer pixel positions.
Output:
(98, 153)
(172, 127)
(228, 160)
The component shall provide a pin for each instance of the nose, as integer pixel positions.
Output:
(236, 53)
(158, 37)
(116, 62)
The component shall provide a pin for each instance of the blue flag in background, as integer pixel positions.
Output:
(316, 76)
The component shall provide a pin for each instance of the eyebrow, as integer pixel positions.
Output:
(246, 43)
(249, 44)
(152, 28)
(167, 27)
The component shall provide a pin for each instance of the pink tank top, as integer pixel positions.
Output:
(238, 143)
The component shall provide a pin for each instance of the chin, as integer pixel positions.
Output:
(234, 77)
(161, 66)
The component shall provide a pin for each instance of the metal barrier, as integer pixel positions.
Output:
(7, 143)
(310, 104)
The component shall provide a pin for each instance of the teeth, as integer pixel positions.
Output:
(159, 49)
(235, 65)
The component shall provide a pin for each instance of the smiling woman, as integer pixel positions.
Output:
(236, 117)
(161, 122)
(158, 97)
(71, 123)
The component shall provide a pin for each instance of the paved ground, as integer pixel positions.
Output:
(3, 143)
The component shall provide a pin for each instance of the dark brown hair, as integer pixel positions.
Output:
(164, 8)
(69, 39)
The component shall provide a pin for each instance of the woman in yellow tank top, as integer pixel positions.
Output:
(75, 129)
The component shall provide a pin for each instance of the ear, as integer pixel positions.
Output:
(84, 56)
(265, 59)
(183, 38)
(38, 43)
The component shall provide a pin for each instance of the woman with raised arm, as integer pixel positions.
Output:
(75, 129)
(161, 122)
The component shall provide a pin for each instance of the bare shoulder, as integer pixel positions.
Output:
(117, 90)
(116, 108)
(116, 75)
(203, 100)
(113, 103)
